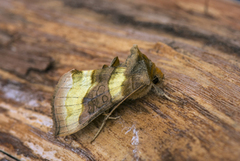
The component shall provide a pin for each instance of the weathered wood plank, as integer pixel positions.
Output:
(197, 51)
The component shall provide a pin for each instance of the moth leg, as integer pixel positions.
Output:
(111, 118)
(104, 121)
(114, 118)
(107, 117)
(160, 92)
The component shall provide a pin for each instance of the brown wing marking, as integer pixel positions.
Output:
(115, 107)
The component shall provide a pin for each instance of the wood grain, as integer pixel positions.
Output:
(197, 50)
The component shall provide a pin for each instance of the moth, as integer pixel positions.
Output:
(81, 96)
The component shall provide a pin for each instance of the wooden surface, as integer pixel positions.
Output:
(195, 43)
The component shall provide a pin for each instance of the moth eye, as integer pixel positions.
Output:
(155, 80)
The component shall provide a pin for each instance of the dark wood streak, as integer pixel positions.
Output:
(16, 145)
(9, 155)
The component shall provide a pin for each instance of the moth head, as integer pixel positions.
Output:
(155, 74)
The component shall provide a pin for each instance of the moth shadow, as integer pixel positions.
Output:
(128, 108)
(86, 134)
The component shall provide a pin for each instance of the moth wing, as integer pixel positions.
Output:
(115, 62)
(67, 100)
(81, 96)
(104, 66)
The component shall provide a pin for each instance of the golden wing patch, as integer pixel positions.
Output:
(67, 106)
(81, 96)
